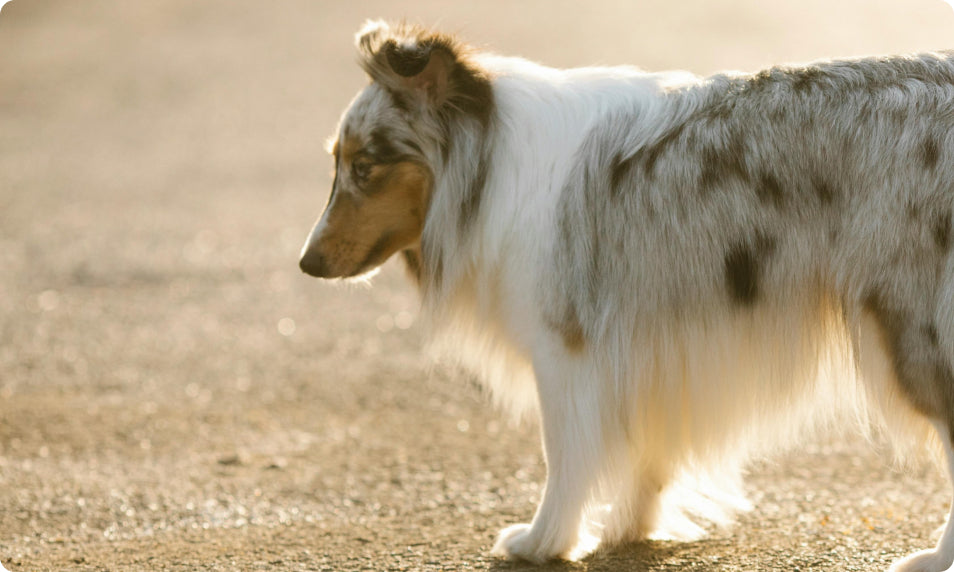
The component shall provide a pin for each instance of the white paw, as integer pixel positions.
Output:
(924, 561)
(517, 542)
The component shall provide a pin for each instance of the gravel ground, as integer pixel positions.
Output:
(175, 395)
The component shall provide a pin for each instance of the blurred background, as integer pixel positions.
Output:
(175, 395)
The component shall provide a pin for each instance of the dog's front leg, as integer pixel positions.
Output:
(571, 403)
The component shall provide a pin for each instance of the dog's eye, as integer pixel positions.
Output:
(361, 169)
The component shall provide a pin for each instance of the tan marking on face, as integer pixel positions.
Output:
(347, 149)
(364, 228)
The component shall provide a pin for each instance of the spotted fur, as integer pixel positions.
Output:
(671, 272)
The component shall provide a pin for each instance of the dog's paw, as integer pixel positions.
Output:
(518, 542)
(924, 561)
(521, 542)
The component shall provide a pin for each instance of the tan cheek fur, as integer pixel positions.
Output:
(362, 233)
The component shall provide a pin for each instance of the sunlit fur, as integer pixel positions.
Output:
(671, 273)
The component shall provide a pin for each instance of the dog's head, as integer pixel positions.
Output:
(389, 142)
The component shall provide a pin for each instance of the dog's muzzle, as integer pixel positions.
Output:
(313, 264)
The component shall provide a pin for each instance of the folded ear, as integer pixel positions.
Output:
(428, 67)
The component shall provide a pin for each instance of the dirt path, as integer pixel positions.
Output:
(174, 395)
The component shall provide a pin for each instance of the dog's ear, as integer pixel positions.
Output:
(431, 68)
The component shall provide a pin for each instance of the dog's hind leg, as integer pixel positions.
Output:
(939, 558)
(920, 342)
(572, 404)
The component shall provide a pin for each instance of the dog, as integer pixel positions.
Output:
(672, 273)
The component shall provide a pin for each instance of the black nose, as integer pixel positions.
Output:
(313, 263)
